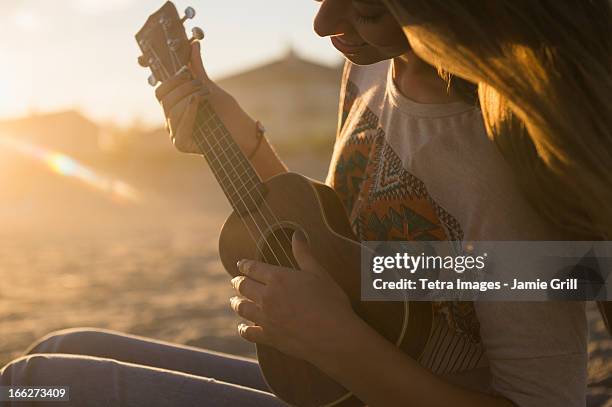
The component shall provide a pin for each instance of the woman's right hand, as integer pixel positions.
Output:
(180, 97)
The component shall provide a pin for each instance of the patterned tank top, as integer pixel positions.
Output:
(386, 202)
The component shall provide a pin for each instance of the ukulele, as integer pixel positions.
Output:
(265, 216)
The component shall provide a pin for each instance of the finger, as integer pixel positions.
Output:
(302, 253)
(182, 115)
(185, 116)
(247, 309)
(181, 128)
(254, 334)
(178, 94)
(170, 84)
(263, 272)
(197, 67)
(249, 288)
(177, 112)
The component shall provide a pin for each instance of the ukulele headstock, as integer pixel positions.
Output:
(164, 44)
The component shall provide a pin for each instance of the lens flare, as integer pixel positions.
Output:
(69, 167)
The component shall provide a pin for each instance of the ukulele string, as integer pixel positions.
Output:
(267, 225)
(227, 193)
(176, 63)
(175, 57)
(243, 167)
(167, 75)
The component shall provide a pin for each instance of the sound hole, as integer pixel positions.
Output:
(276, 249)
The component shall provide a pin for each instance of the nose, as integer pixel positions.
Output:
(331, 18)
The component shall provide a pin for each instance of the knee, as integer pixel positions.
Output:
(24, 370)
(84, 375)
(70, 341)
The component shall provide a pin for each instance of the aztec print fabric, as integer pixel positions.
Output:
(386, 202)
(397, 205)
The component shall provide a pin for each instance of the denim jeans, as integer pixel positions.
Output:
(105, 368)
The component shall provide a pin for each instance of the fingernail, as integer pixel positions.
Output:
(235, 281)
(243, 266)
(300, 236)
(242, 327)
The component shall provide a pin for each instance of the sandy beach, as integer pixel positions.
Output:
(72, 257)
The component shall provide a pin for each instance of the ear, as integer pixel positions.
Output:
(301, 252)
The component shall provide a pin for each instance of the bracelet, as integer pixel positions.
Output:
(260, 131)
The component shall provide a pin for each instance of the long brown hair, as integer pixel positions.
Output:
(544, 73)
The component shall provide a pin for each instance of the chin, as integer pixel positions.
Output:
(364, 58)
(372, 55)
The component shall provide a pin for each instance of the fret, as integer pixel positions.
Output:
(234, 178)
(230, 151)
(234, 172)
(239, 190)
(226, 149)
(240, 175)
(237, 185)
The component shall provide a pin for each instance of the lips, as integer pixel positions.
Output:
(347, 47)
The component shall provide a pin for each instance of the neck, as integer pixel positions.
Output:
(420, 82)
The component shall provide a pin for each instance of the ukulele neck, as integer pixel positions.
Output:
(233, 171)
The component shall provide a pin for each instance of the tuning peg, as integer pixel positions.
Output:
(197, 34)
(173, 44)
(152, 80)
(143, 61)
(189, 14)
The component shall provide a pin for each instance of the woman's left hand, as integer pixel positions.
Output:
(302, 313)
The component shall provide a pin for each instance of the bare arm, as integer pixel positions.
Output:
(179, 96)
(384, 376)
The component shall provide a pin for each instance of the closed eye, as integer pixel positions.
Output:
(369, 11)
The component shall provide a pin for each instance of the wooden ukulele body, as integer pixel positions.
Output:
(294, 202)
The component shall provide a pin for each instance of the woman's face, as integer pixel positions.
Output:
(363, 30)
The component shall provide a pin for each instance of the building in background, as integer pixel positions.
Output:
(294, 98)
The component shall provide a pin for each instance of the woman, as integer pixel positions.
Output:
(475, 190)
(405, 146)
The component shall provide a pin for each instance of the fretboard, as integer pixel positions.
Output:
(237, 177)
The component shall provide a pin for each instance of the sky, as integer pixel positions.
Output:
(81, 54)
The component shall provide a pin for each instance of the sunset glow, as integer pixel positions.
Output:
(66, 166)
(50, 47)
